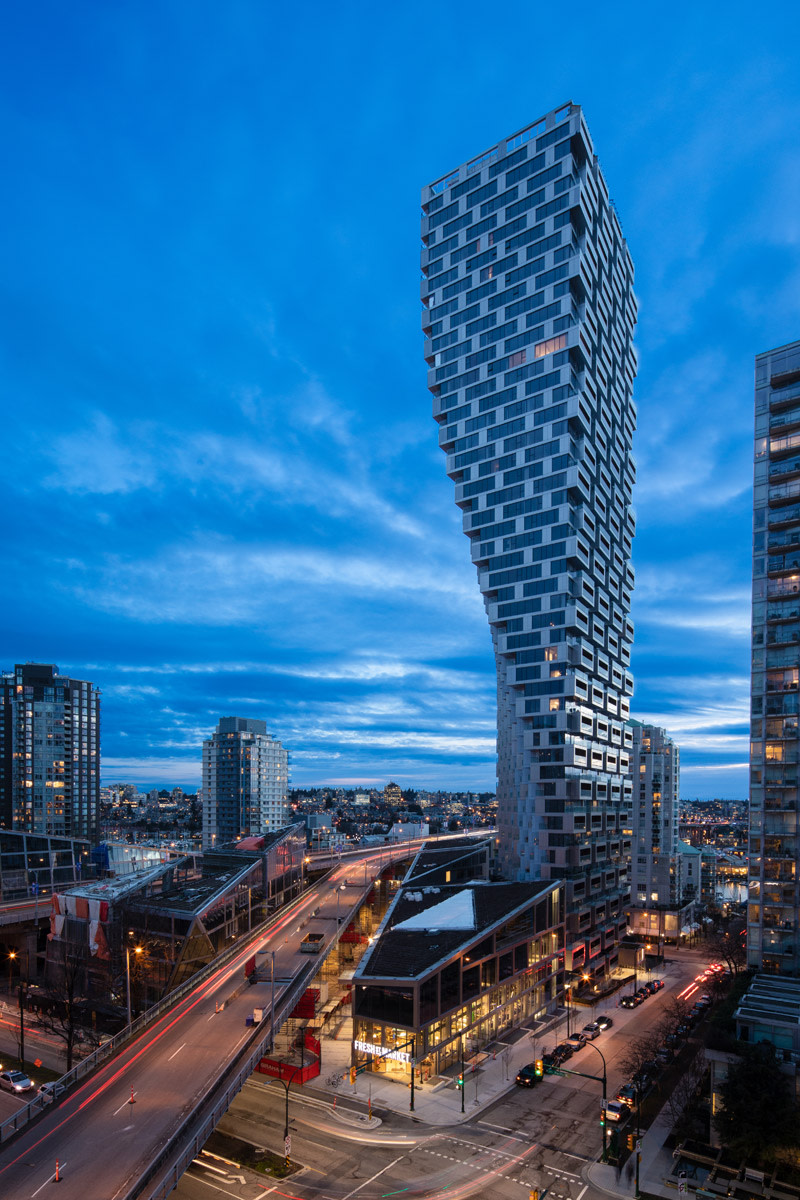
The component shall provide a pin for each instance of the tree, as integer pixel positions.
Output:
(729, 947)
(681, 1101)
(759, 1113)
(638, 1051)
(67, 1003)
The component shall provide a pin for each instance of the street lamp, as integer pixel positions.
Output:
(592, 1046)
(136, 950)
(12, 954)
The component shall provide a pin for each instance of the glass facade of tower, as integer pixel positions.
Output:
(245, 782)
(529, 315)
(49, 752)
(774, 895)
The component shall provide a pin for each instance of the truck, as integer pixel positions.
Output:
(312, 943)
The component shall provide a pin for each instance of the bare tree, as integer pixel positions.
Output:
(730, 948)
(67, 1003)
(674, 1011)
(680, 1101)
(638, 1051)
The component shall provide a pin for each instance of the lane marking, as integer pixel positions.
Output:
(48, 1180)
(503, 1128)
(125, 1104)
(583, 1189)
(176, 1052)
(375, 1176)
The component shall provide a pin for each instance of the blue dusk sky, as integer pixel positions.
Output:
(222, 492)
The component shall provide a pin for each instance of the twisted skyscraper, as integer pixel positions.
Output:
(529, 317)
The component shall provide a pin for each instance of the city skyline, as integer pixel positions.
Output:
(224, 456)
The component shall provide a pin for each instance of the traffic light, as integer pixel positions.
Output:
(460, 1081)
(631, 1141)
(602, 1118)
(539, 1068)
(353, 1073)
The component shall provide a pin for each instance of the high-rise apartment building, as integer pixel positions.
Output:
(773, 926)
(529, 315)
(49, 752)
(245, 782)
(659, 907)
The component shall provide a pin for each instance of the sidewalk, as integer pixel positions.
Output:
(438, 1102)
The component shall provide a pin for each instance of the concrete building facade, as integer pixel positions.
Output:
(773, 926)
(660, 907)
(49, 752)
(245, 782)
(529, 315)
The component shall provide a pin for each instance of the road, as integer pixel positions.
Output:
(108, 1130)
(541, 1138)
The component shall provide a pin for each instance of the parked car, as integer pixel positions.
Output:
(52, 1091)
(15, 1081)
(615, 1111)
(577, 1041)
(683, 1030)
(705, 999)
(563, 1051)
(591, 1031)
(632, 1001)
(655, 985)
(664, 1056)
(526, 1076)
(604, 1022)
(643, 993)
(551, 1062)
(627, 1095)
(643, 1078)
(672, 1040)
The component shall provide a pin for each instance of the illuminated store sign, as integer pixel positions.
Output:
(381, 1052)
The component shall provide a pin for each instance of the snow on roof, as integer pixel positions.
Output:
(457, 912)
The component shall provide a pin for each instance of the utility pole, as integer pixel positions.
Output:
(272, 1007)
(22, 1026)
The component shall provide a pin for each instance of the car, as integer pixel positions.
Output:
(704, 999)
(644, 1077)
(683, 1030)
(591, 1031)
(632, 1001)
(655, 985)
(526, 1076)
(604, 1022)
(615, 1111)
(551, 1062)
(664, 1056)
(577, 1041)
(563, 1051)
(15, 1081)
(627, 1095)
(52, 1091)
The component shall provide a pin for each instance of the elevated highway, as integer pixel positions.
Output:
(131, 1128)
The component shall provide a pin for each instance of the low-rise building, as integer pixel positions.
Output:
(454, 966)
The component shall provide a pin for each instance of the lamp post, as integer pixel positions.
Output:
(272, 1007)
(461, 1041)
(286, 1088)
(637, 1193)
(136, 950)
(596, 1049)
(12, 954)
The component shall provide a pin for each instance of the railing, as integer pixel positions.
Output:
(162, 1176)
(108, 1049)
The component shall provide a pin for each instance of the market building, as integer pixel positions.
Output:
(453, 967)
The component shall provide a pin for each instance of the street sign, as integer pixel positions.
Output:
(638, 1145)
(681, 1187)
(287, 1145)
(37, 1062)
